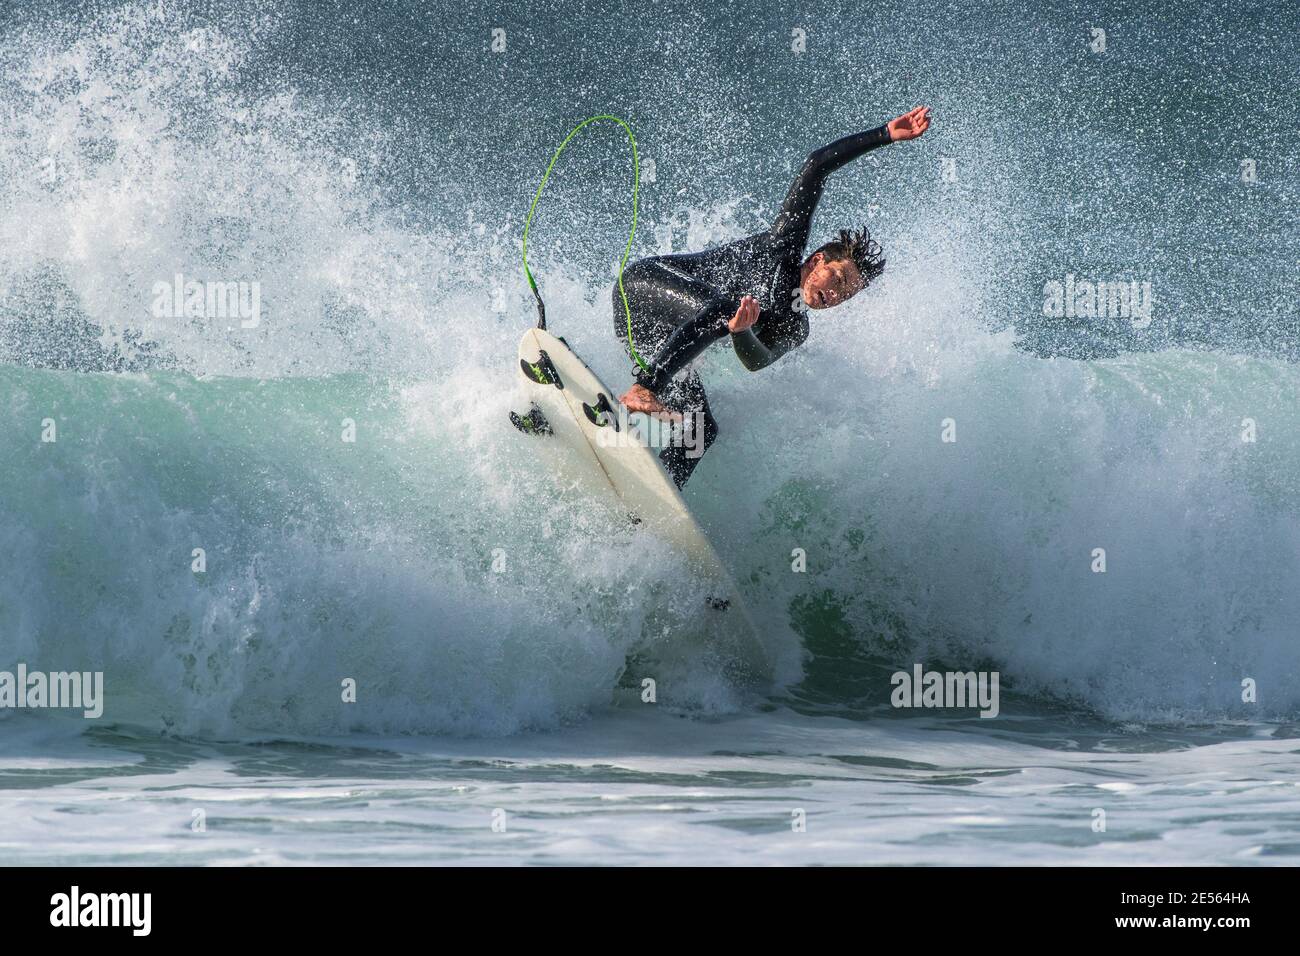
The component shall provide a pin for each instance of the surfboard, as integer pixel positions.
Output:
(596, 434)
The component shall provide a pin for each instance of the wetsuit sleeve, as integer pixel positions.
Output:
(686, 343)
(796, 214)
(755, 354)
(751, 351)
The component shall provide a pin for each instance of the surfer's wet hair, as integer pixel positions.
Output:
(857, 245)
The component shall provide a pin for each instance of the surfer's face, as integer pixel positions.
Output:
(828, 282)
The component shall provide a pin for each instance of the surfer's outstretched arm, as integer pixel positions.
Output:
(805, 192)
(795, 217)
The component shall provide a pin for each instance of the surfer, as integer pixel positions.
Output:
(757, 290)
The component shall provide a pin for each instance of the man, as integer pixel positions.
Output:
(757, 290)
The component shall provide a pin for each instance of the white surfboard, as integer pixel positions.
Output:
(588, 423)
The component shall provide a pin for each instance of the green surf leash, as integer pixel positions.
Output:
(636, 181)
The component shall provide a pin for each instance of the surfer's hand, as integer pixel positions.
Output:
(745, 316)
(910, 125)
(641, 399)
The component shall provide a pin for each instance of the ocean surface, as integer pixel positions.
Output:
(342, 470)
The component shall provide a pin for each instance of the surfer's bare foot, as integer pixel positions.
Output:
(641, 399)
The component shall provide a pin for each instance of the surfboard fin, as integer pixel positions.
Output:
(534, 423)
(602, 406)
(542, 371)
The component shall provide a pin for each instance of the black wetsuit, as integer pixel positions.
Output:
(681, 304)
